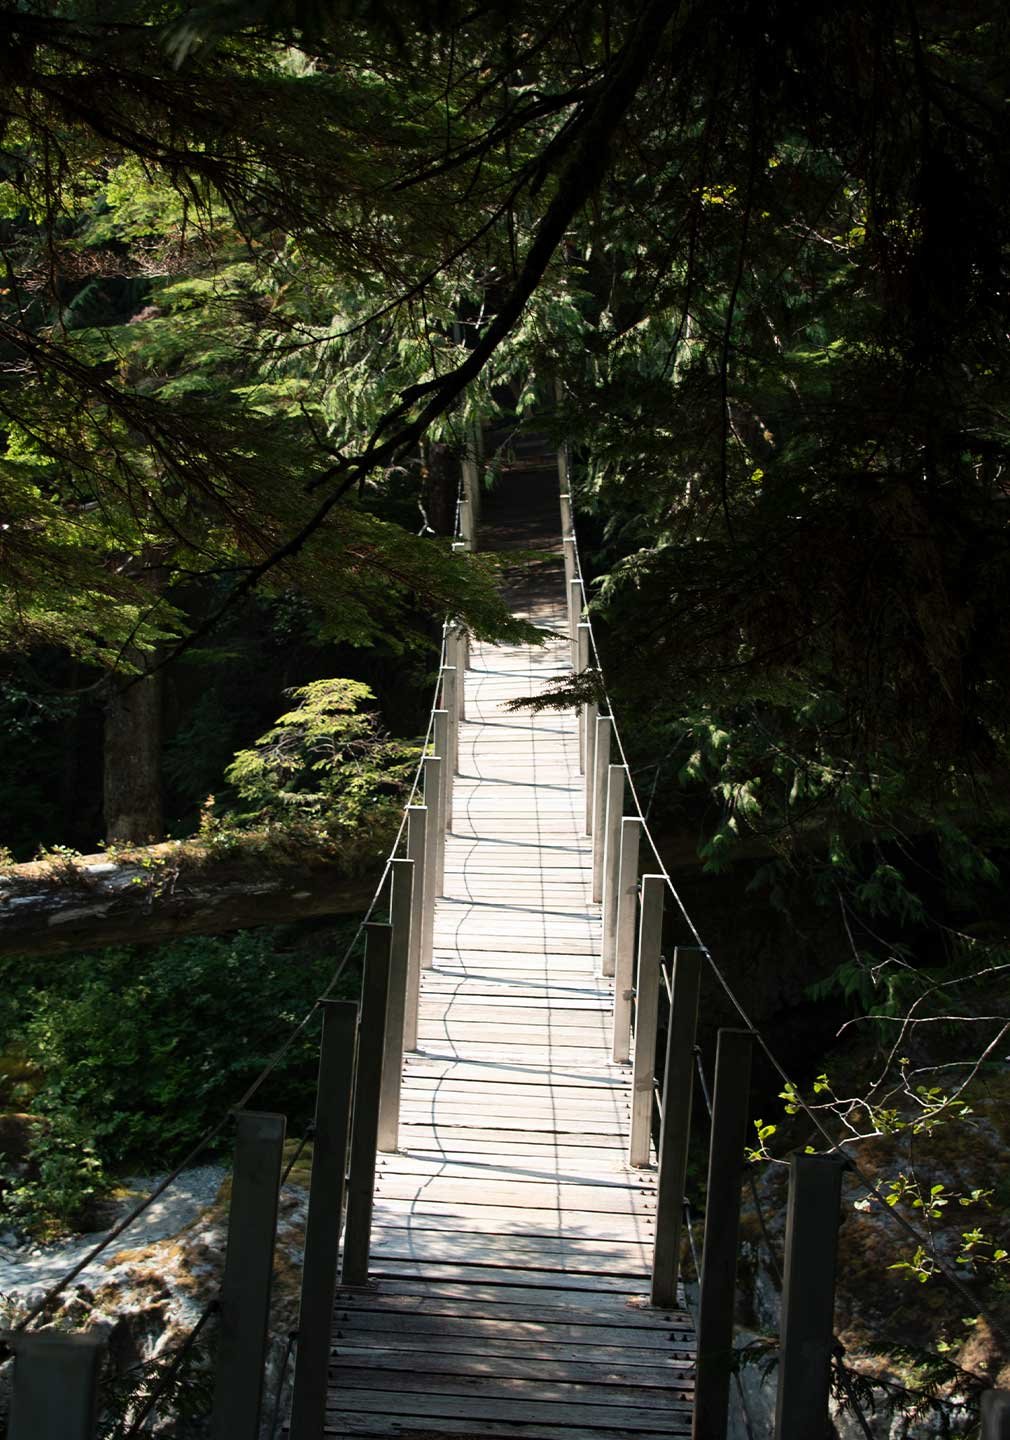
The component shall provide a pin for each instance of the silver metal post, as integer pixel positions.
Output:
(471, 489)
(582, 647)
(450, 704)
(401, 885)
(730, 1114)
(367, 1083)
(589, 726)
(643, 1075)
(806, 1340)
(568, 552)
(611, 861)
(566, 513)
(466, 524)
(675, 1125)
(55, 1390)
(248, 1270)
(441, 748)
(601, 766)
(624, 936)
(322, 1229)
(995, 1415)
(564, 468)
(576, 605)
(417, 816)
(433, 837)
(457, 656)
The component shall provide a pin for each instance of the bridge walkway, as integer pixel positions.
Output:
(511, 1241)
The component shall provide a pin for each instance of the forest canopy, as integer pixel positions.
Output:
(267, 266)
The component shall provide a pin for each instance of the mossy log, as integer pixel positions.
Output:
(153, 893)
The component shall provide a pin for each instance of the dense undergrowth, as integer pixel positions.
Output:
(116, 1061)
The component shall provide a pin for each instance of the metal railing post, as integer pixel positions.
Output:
(322, 1228)
(675, 1125)
(401, 887)
(55, 1388)
(611, 861)
(568, 554)
(576, 605)
(564, 467)
(417, 816)
(471, 489)
(466, 524)
(995, 1415)
(583, 666)
(367, 1083)
(456, 655)
(601, 765)
(442, 746)
(248, 1271)
(566, 512)
(433, 837)
(730, 1114)
(643, 1075)
(589, 725)
(450, 704)
(806, 1339)
(624, 935)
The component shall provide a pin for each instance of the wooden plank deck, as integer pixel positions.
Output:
(511, 1241)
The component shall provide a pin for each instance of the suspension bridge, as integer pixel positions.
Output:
(512, 1239)
(500, 1147)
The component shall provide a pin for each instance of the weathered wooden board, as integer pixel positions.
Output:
(440, 1427)
(668, 1337)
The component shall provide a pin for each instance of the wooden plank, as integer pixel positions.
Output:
(485, 1169)
(421, 1381)
(520, 1082)
(445, 1426)
(466, 1402)
(541, 1270)
(601, 1316)
(564, 1195)
(516, 1219)
(469, 1252)
(530, 1140)
(566, 1122)
(662, 1373)
(357, 1325)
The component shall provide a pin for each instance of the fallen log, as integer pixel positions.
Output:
(155, 893)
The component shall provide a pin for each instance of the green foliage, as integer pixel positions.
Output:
(140, 1049)
(323, 772)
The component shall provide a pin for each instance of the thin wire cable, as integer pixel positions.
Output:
(310, 1130)
(835, 1145)
(215, 1131)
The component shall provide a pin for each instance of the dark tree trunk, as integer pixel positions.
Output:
(132, 769)
(441, 488)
